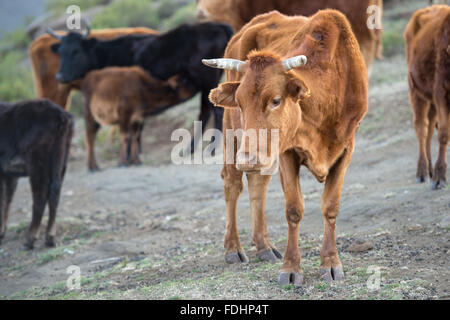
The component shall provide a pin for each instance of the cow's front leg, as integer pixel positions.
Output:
(257, 188)
(331, 266)
(291, 272)
(233, 186)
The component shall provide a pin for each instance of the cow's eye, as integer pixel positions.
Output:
(275, 102)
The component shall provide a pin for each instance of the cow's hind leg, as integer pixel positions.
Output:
(40, 189)
(136, 131)
(432, 120)
(257, 188)
(439, 180)
(291, 272)
(58, 170)
(331, 266)
(8, 186)
(233, 186)
(420, 110)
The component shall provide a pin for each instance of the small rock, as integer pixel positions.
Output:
(389, 195)
(356, 186)
(415, 227)
(382, 233)
(360, 247)
(68, 251)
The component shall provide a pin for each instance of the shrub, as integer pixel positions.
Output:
(16, 80)
(185, 14)
(128, 13)
(60, 6)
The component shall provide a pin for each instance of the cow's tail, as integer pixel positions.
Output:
(59, 157)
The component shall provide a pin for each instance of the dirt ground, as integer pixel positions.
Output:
(156, 231)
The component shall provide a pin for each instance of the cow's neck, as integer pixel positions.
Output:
(112, 54)
(316, 141)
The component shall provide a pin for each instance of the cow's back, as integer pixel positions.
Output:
(338, 83)
(239, 12)
(45, 63)
(427, 38)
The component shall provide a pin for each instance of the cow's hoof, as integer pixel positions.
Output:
(236, 257)
(421, 179)
(438, 184)
(271, 255)
(50, 241)
(288, 278)
(333, 274)
(94, 169)
(28, 244)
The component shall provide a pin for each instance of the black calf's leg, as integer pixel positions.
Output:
(7, 188)
(53, 201)
(40, 184)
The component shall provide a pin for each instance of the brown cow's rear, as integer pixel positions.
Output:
(317, 109)
(45, 64)
(238, 12)
(427, 39)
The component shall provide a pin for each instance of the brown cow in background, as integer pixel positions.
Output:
(45, 63)
(317, 109)
(427, 39)
(238, 12)
(124, 97)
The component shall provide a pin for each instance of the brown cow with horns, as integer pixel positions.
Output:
(316, 106)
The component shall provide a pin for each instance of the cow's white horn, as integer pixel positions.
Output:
(227, 64)
(53, 34)
(294, 62)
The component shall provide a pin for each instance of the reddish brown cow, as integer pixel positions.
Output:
(124, 97)
(317, 109)
(45, 63)
(427, 39)
(238, 12)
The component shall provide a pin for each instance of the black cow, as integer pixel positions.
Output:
(177, 52)
(35, 138)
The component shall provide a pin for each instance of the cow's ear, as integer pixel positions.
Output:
(55, 47)
(297, 88)
(225, 95)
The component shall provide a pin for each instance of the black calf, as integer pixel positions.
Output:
(35, 138)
